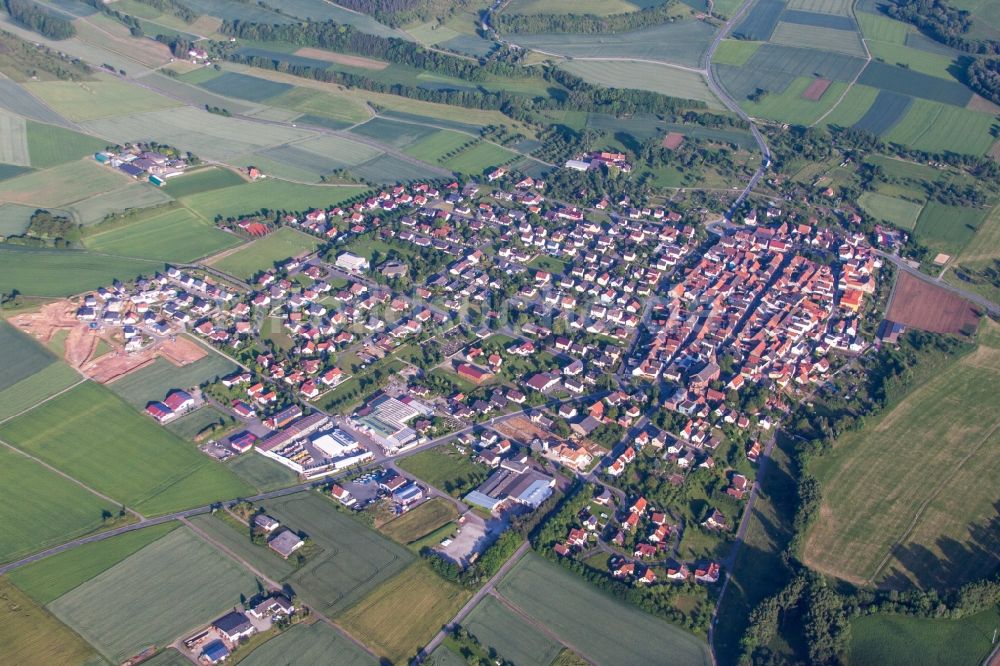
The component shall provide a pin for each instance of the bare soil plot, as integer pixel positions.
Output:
(918, 304)
(816, 89)
(673, 141)
(522, 429)
(342, 59)
(179, 351)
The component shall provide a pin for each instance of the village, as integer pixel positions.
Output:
(539, 340)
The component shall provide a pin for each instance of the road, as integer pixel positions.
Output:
(428, 649)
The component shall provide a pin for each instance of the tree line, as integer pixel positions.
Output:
(174, 8)
(984, 78)
(589, 24)
(942, 22)
(34, 17)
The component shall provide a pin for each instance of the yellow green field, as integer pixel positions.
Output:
(905, 500)
(29, 634)
(89, 100)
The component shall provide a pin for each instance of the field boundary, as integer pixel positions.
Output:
(850, 84)
(538, 625)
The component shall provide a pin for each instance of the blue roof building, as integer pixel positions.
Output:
(215, 652)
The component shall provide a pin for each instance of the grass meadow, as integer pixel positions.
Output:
(262, 473)
(237, 541)
(878, 487)
(421, 521)
(35, 272)
(833, 40)
(99, 439)
(899, 212)
(791, 107)
(309, 644)
(898, 640)
(355, 559)
(853, 107)
(498, 627)
(445, 468)
(948, 229)
(600, 627)
(262, 254)
(33, 389)
(133, 195)
(401, 615)
(89, 100)
(42, 509)
(150, 598)
(153, 381)
(271, 194)
(31, 635)
(937, 127)
(202, 180)
(479, 158)
(175, 236)
(20, 355)
(735, 51)
(434, 147)
(48, 579)
(51, 145)
(63, 184)
(13, 140)
(645, 76)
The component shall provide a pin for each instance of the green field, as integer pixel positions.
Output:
(595, 7)
(899, 212)
(309, 644)
(42, 509)
(99, 439)
(645, 76)
(791, 107)
(434, 147)
(980, 254)
(898, 640)
(421, 521)
(50, 145)
(175, 236)
(882, 28)
(88, 100)
(30, 635)
(599, 627)
(62, 184)
(876, 488)
(853, 106)
(354, 561)
(138, 602)
(261, 255)
(28, 392)
(20, 356)
(937, 127)
(271, 194)
(132, 196)
(735, 51)
(64, 272)
(832, 40)
(189, 425)
(444, 467)
(13, 140)
(401, 615)
(261, 558)
(479, 158)
(919, 61)
(496, 626)
(48, 579)
(202, 180)
(153, 381)
(948, 229)
(262, 473)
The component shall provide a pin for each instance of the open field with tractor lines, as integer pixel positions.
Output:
(262, 254)
(175, 236)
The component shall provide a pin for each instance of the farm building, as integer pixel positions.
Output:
(285, 543)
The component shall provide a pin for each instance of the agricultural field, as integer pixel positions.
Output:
(445, 468)
(401, 615)
(792, 106)
(30, 635)
(496, 626)
(244, 86)
(21, 356)
(13, 140)
(393, 132)
(982, 253)
(202, 180)
(152, 382)
(933, 64)
(270, 194)
(261, 558)
(884, 113)
(734, 52)
(596, 7)
(262, 254)
(681, 43)
(37, 272)
(309, 644)
(421, 521)
(355, 559)
(898, 640)
(434, 147)
(80, 101)
(948, 229)
(42, 509)
(645, 76)
(135, 603)
(174, 236)
(479, 158)
(61, 185)
(597, 626)
(31, 390)
(133, 196)
(934, 530)
(938, 127)
(853, 107)
(51, 145)
(261, 473)
(204, 419)
(97, 438)
(48, 579)
(832, 40)
(899, 212)
(879, 28)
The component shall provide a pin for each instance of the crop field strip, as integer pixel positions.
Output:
(401, 615)
(175, 236)
(91, 100)
(93, 436)
(760, 21)
(61, 185)
(645, 76)
(31, 635)
(262, 254)
(262, 473)
(355, 559)
(309, 644)
(20, 356)
(896, 640)
(48, 579)
(271, 194)
(39, 386)
(135, 603)
(948, 229)
(498, 627)
(832, 40)
(596, 625)
(135, 195)
(908, 82)
(939, 520)
(935, 127)
(899, 212)
(793, 106)
(202, 180)
(14, 140)
(886, 110)
(40, 272)
(773, 67)
(152, 382)
(51, 145)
